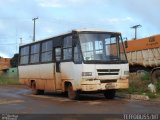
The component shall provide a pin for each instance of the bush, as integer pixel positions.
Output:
(151, 95)
(145, 77)
(138, 83)
(158, 86)
(132, 89)
(5, 80)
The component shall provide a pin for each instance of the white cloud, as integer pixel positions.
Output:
(7, 2)
(129, 19)
(106, 14)
(50, 3)
(1, 25)
(50, 31)
(59, 3)
(117, 20)
(4, 55)
(145, 11)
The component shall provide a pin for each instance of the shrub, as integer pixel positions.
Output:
(151, 95)
(138, 83)
(158, 86)
(5, 80)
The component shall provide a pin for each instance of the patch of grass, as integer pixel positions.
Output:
(5, 80)
(145, 76)
(138, 84)
(151, 95)
(132, 89)
(158, 86)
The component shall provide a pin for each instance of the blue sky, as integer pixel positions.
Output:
(59, 16)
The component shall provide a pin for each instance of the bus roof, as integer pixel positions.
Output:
(77, 30)
(93, 30)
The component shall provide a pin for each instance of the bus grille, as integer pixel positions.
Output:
(108, 71)
(108, 81)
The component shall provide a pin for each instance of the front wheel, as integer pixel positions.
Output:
(71, 93)
(110, 94)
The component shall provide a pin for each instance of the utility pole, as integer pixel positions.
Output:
(20, 41)
(135, 27)
(34, 28)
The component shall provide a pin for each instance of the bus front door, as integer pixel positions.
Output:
(57, 69)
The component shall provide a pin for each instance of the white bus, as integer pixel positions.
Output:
(81, 61)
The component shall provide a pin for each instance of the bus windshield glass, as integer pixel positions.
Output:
(105, 47)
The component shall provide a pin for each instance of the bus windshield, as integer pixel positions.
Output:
(105, 47)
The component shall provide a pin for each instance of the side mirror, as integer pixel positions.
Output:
(126, 44)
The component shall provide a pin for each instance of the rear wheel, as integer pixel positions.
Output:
(156, 76)
(110, 94)
(35, 91)
(71, 93)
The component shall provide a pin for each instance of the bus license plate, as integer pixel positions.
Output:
(110, 86)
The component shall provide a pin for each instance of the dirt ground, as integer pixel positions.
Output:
(19, 100)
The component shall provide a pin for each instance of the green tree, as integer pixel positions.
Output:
(14, 60)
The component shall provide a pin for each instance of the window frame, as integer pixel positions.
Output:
(79, 61)
(47, 51)
(57, 41)
(28, 55)
(58, 55)
(37, 53)
(68, 47)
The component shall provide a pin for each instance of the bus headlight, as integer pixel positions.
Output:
(86, 73)
(126, 72)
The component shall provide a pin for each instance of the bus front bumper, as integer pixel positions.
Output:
(95, 85)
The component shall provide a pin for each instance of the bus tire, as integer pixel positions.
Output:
(73, 95)
(155, 76)
(35, 91)
(40, 92)
(110, 94)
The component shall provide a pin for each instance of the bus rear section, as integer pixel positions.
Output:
(82, 61)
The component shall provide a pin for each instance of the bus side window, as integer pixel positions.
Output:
(67, 48)
(58, 54)
(24, 55)
(35, 53)
(46, 53)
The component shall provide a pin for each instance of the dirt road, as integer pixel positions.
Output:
(19, 100)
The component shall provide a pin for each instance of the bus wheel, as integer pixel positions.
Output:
(110, 94)
(71, 93)
(156, 76)
(35, 91)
